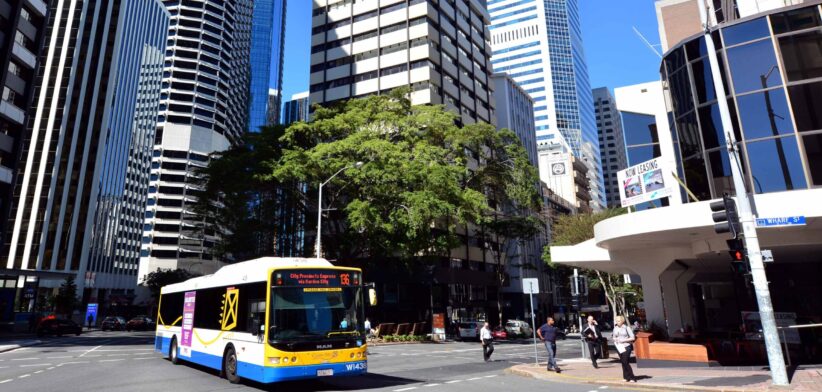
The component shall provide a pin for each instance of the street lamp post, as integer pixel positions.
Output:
(317, 244)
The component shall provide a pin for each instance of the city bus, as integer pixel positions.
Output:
(268, 320)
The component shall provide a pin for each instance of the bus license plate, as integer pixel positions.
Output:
(325, 372)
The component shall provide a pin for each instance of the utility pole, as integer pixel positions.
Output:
(779, 374)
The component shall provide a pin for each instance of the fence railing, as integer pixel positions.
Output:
(785, 339)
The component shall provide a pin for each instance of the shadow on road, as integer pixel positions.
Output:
(348, 383)
(91, 341)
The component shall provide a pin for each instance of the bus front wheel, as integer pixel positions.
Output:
(230, 365)
(172, 351)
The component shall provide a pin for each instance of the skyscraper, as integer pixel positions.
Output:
(539, 44)
(267, 40)
(371, 48)
(78, 206)
(611, 143)
(21, 34)
(297, 109)
(204, 108)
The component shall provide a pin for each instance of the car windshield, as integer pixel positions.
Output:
(314, 312)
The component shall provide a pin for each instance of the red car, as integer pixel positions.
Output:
(140, 323)
(499, 333)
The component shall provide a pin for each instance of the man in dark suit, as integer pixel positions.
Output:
(592, 336)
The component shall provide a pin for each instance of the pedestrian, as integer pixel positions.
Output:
(548, 335)
(367, 325)
(592, 336)
(90, 320)
(487, 342)
(623, 341)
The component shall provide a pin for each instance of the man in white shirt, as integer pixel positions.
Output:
(487, 342)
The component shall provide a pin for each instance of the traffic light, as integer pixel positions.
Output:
(739, 258)
(725, 216)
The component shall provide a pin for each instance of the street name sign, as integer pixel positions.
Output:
(530, 286)
(781, 221)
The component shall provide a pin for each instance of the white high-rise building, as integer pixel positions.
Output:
(369, 47)
(539, 44)
(204, 108)
(78, 205)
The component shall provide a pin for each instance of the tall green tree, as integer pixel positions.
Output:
(66, 300)
(423, 177)
(574, 229)
(242, 201)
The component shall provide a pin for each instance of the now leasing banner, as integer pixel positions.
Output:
(188, 323)
(644, 182)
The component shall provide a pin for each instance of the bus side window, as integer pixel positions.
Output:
(256, 316)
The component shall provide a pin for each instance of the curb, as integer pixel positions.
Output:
(35, 343)
(621, 384)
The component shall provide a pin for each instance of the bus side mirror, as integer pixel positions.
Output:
(372, 297)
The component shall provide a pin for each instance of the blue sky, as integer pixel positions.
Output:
(616, 55)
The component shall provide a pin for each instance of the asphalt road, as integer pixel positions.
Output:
(121, 361)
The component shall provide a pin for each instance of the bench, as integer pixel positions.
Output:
(650, 353)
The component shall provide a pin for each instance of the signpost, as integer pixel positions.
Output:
(576, 291)
(530, 286)
(781, 221)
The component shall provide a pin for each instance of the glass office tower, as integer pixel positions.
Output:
(771, 68)
(267, 42)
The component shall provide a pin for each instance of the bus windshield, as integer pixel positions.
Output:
(314, 312)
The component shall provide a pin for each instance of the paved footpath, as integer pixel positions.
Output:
(805, 379)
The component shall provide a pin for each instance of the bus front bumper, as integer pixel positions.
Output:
(268, 374)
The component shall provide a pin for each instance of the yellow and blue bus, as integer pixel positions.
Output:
(268, 320)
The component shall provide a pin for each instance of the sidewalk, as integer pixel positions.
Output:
(805, 379)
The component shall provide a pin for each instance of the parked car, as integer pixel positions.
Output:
(140, 323)
(499, 333)
(469, 330)
(113, 324)
(518, 328)
(58, 327)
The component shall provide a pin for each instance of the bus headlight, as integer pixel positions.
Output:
(352, 355)
(274, 360)
(285, 359)
(293, 359)
(359, 355)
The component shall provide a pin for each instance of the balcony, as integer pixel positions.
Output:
(23, 55)
(12, 112)
(38, 6)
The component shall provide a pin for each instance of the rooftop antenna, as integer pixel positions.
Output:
(650, 46)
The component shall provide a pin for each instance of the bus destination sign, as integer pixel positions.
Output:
(321, 278)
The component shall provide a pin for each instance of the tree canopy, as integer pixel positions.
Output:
(423, 177)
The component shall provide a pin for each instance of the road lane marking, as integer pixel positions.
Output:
(138, 359)
(50, 368)
(603, 387)
(453, 381)
(475, 379)
(71, 363)
(5, 381)
(404, 389)
(117, 355)
(84, 354)
(66, 356)
(111, 360)
(24, 359)
(491, 376)
(38, 372)
(431, 385)
(24, 376)
(38, 364)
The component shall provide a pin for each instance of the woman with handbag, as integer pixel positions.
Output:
(623, 341)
